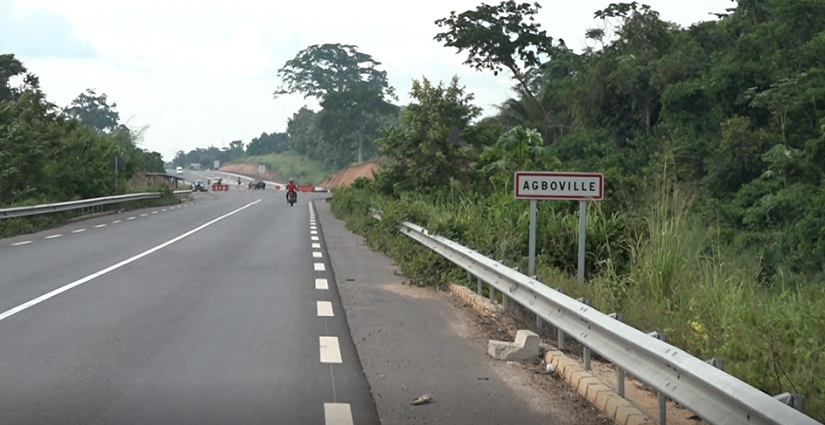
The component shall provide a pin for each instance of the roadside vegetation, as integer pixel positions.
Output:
(51, 154)
(712, 143)
(289, 164)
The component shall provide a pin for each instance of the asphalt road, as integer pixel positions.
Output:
(214, 312)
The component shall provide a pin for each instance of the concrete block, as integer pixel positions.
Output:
(602, 397)
(623, 413)
(593, 391)
(526, 346)
(586, 382)
(613, 404)
(639, 419)
(576, 376)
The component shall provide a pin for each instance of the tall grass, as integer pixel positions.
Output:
(671, 274)
(290, 164)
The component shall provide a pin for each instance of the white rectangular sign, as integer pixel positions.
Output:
(559, 185)
(217, 164)
(261, 169)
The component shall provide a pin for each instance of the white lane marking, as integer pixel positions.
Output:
(325, 309)
(313, 228)
(163, 210)
(117, 221)
(144, 215)
(99, 226)
(315, 238)
(313, 232)
(316, 254)
(21, 243)
(337, 414)
(131, 218)
(53, 236)
(316, 245)
(78, 231)
(93, 276)
(154, 212)
(321, 284)
(319, 267)
(330, 350)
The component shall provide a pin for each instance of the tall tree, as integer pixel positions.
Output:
(504, 36)
(94, 110)
(320, 70)
(352, 110)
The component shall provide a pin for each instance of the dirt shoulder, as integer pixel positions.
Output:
(250, 170)
(346, 176)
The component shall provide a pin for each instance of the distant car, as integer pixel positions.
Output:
(198, 186)
(179, 170)
(259, 184)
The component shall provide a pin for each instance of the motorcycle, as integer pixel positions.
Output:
(292, 197)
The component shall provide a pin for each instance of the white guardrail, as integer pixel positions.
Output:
(83, 203)
(712, 394)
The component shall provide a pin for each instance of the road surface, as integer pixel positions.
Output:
(207, 313)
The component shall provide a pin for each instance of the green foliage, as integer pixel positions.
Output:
(268, 143)
(290, 164)
(425, 153)
(48, 155)
(712, 143)
(320, 70)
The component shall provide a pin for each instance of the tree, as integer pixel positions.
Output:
(320, 70)
(352, 110)
(94, 110)
(501, 37)
(425, 152)
(268, 143)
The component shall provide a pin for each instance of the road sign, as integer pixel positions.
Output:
(559, 185)
(261, 169)
(217, 164)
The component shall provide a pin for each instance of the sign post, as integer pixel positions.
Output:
(561, 186)
(117, 163)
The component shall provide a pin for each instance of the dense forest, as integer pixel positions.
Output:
(53, 154)
(712, 142)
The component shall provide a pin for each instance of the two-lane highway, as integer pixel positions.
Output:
(220, 312)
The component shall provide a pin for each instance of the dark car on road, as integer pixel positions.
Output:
(259, 184)
(198, 186)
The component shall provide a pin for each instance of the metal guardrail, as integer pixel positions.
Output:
(712, 394)
(83, 203)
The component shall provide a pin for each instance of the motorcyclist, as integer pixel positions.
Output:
(291, 187)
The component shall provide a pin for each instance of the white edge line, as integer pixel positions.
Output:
(65, 288)
(21, 243)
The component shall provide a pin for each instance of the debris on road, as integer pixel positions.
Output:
(424, 399)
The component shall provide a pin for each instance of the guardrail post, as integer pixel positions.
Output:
(492, 294)
(794, 400)
(480, 286)
(560, 333)
(585, 349)
(662, 402)
(539, 322)
(619, 370)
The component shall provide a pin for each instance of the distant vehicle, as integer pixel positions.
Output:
(179, 170)
(259, 184)
(198, 186)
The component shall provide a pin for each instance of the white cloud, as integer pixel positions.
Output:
(203, 73)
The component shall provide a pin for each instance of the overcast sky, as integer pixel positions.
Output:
(202, 73)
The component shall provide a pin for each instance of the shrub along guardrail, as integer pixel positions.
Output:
(701, 386)
(26, 211)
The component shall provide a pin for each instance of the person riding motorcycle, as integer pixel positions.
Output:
(291, 187)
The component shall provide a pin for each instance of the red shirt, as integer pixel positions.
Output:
(291, 187)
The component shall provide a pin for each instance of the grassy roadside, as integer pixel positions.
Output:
(36, 223)
(675, 277)
(290, 164)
